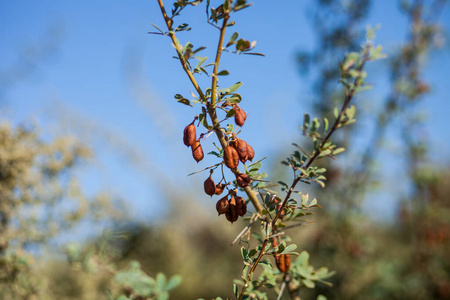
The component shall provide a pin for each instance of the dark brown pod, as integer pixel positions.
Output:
(197, 151)
(209, 186)
(222, 205)
(190, 135)
(250, 152)
(239, 115)
(243, 180)
(231, 214)
(241, 206)
(241, 148)
(219, 188)
(230, 157)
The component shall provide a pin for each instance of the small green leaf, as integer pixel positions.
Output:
(336, 112)
(173, 282)
(308, 283)
(236, 290)
(338, 150)
(235, 86)
(223, 73)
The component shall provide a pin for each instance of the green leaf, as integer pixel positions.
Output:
(338, 150)
(235, 86)
(236, 290)
(350, 112)
(183, 27)
(308, 283)
(321, 297)
(173, 282)
(223, 73)
(160, 281)
(336, 112)
(232, 39)
(290, 248)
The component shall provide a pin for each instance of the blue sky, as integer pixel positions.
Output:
(113, 82)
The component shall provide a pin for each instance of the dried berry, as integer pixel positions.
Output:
(219, 188)
(243, 180)
(190, 135)
(209, 186)
(250, 152)
(241, 206)
(239, 115)
(283, 262)
(230, 157)
(222, 205)
(241, 148)
(231, 214)
(197, 151)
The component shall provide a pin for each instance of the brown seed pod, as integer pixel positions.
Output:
(283, 262)
(219, 188)
(230, 157)
(190, 135)
(243, 180)
(222, 205)
(241, 206)
(250, 152)
(231, 214)
(197, 151)
(209, 186)
(239, 115)
(241, 148)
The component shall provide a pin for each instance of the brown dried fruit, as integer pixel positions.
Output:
(219, 188)
(239, 115)
(250, 152)
(241, 148)
(209, 186)
(230, 157)
(283, 262)
(197, 151)
(231, 214)
(241, 206)
(243, 180)
(190, 135)
(222, 205)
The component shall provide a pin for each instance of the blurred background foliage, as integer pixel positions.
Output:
(374, 257)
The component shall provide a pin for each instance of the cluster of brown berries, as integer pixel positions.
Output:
(190, 140)
(232, 208)
(236, 150)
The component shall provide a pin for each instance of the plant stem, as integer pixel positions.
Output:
(210, 106)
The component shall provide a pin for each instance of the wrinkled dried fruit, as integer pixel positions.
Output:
(190, 135)
(231, 214)
(241, 206)
(219, 188)
(241, 148)
(243, 180)
(197, 151)
(283, 262)
(230, 157)
(209, 186)
(222, 205)
(250, 152)
(239, 115)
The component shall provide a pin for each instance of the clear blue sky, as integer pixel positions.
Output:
(101, 68)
